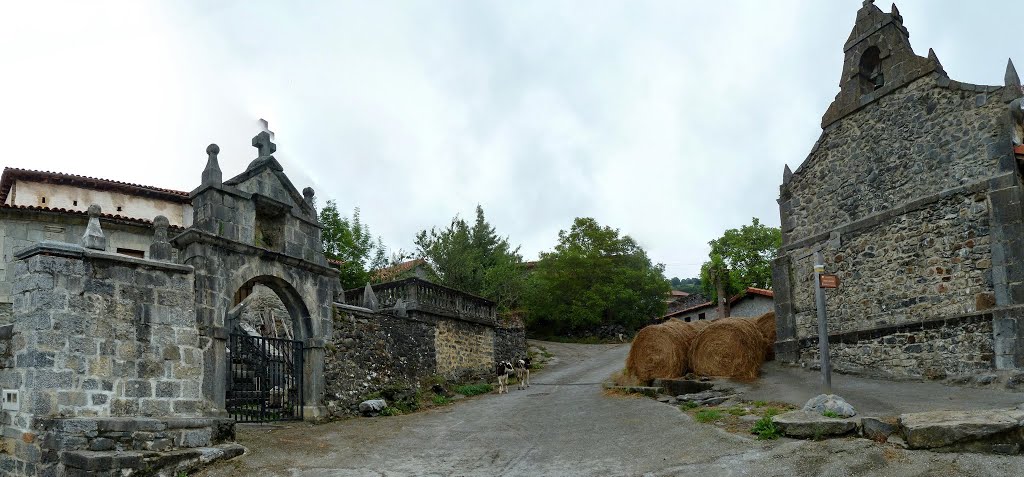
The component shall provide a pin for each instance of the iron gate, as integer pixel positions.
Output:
(264, 379)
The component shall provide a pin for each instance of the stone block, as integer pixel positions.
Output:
(876, 429)
(946, 429)
(168, 389)
(138, 388)
(189, 438)
(155, 407)
(805, 424)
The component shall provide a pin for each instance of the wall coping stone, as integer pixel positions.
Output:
(64, 249)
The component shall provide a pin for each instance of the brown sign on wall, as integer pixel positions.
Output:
(829, 281)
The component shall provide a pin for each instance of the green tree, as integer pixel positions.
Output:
(474, 259)
(350, 242)
(594, 277)
(743, 257)
(688, 285)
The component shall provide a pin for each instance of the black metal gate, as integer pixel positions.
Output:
(264, 379)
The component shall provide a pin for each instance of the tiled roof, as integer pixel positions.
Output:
(110, 217)
(394, 271)
(11, 174)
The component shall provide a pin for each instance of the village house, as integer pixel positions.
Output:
(913, 197)
(752, 302)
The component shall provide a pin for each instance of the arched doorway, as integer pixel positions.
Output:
(267, 325)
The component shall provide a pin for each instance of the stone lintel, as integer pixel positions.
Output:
(193, 235)
(63, 249)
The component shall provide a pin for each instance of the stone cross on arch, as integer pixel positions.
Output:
(264, 141)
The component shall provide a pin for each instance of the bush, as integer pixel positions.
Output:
(441, 400)
(473, 389)
(765, 429)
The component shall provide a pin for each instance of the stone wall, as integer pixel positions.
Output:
(464, 349)
(371, 352)
(509, 344)
(935, 349)
(101, 334)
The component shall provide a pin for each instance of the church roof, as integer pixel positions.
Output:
(11, 174)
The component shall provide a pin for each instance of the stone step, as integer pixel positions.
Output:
(991, 431)
(177, 461)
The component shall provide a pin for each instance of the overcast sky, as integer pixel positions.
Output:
(669, 120)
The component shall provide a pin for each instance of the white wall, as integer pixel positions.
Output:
(64, 197)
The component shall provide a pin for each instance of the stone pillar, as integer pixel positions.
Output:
(1007, 219)
(313, 379)
(785, 320)
(161, 248)
(93, 237)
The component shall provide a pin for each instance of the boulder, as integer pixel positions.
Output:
(939, 429)
(877, 429)
(372, 407)
(808, 424)
(830, 402)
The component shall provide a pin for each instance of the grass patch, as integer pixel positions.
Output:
(760, 403)
(771, 411)
(623, 378)
(831, 413)
(686, 406)
(441, 400)
(707, 415)
(391, 411)
(737, 411)
(473, 389)
(765, 429)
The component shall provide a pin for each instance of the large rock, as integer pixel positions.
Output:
(830, 402)
(877, 429)
(807, 424)
(372, 407)
(939, 429)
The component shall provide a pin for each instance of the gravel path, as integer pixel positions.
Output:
(565, 425)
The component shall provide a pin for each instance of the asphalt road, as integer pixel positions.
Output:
(565, 425)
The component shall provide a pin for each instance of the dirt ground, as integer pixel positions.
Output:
(566, 425)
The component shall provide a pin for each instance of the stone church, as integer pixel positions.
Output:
(913, 194)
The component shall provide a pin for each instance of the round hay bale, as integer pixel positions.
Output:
(766, 325)
(660, 351)
(728, 347)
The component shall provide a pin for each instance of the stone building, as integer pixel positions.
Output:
(913, 195)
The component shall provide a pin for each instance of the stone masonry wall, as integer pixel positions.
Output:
(370, 352)
(918, 140)
(928, 263)
(955, 347)
(509, 344)
(464, 349)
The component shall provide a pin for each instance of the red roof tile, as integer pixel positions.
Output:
(10, 174)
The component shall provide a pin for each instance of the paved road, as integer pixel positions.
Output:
(566, 425)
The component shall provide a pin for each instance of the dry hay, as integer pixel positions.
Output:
(728, 347)
(660, 351)
(766, 324)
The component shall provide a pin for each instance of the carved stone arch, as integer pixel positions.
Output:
(302, 323)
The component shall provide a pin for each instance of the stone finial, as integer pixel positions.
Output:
(787, 174)
(895, 12)
(370, 298)
(212, 174)
(1011, 78)
(309, 194)
(867, 3)
(264, 141)
(161, 248)
(93, 237)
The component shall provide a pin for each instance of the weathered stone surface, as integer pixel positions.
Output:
(823, 403)
(372, 407)
(941, 429)
(805, 424)
(877, 429)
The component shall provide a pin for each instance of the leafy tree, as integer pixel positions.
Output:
(349, 241)
(474, 259)
(594, 277)
(742, 257)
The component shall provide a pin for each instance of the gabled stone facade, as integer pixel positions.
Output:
(914, 197)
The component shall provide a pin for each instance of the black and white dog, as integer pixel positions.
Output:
(504, 370)
(523, 372)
